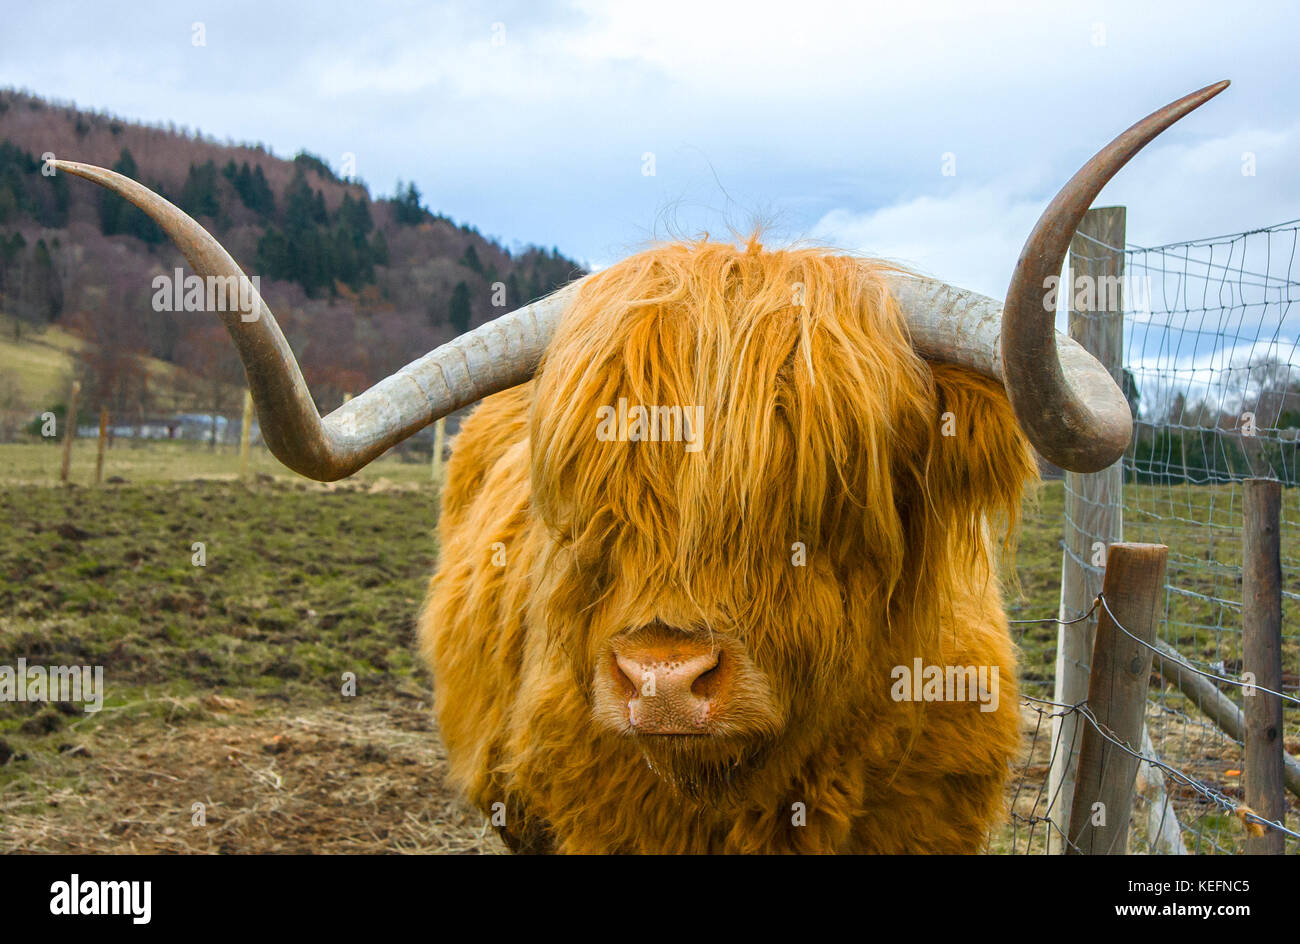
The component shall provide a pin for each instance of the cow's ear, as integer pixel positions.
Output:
(980, 461)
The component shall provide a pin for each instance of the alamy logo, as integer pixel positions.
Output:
(651, 424)
(76, 897)
(920, 682)
(179, 292)
(53, 683)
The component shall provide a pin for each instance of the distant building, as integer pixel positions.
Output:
(196, 427)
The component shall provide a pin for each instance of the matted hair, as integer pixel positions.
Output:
(819, 427)
(820, 423)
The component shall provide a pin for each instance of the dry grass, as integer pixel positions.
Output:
(324, 780)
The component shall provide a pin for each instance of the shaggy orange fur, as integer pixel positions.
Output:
(822, 428)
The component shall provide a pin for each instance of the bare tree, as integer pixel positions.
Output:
(216, 378)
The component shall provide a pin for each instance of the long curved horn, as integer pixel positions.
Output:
(961, 327)
(1079, 420)
(493, 357)
(1064, 399)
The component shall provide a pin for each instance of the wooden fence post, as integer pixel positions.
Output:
(69, 431)
(1094, 518)
(439, 431)
(103, 440)
(1261, 627)
(245, 432)
(1117, 698)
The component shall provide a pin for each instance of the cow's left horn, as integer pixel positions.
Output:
(1065, 400)
(495, 356)
(1079, 421)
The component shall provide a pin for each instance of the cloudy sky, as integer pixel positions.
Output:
(541, 122)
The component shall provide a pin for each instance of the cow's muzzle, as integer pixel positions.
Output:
(658, 680)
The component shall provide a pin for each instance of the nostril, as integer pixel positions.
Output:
(626, 675)
(708, 682)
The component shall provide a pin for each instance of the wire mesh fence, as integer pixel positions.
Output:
(1211, 370)
(1174, 811)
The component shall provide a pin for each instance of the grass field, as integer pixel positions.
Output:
(226, 679)
(150, 462)
(41, 364)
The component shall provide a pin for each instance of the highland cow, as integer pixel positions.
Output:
(788, 636)
(770, 723)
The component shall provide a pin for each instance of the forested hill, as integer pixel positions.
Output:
(361, 284)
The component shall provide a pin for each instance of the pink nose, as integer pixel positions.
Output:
(672, 689)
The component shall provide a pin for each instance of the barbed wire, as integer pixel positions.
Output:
(1057, 619)
(1182, 664)
(1213, 795)
(1084, 710)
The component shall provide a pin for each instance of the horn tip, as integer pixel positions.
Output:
(77, 168)
(1210, 91)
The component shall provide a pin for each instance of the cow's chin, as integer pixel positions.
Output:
(707, 769)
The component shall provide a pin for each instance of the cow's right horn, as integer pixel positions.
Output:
(493, 357)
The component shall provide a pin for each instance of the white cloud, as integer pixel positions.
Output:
(971, 234)
(834, 115)
(970, 237)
